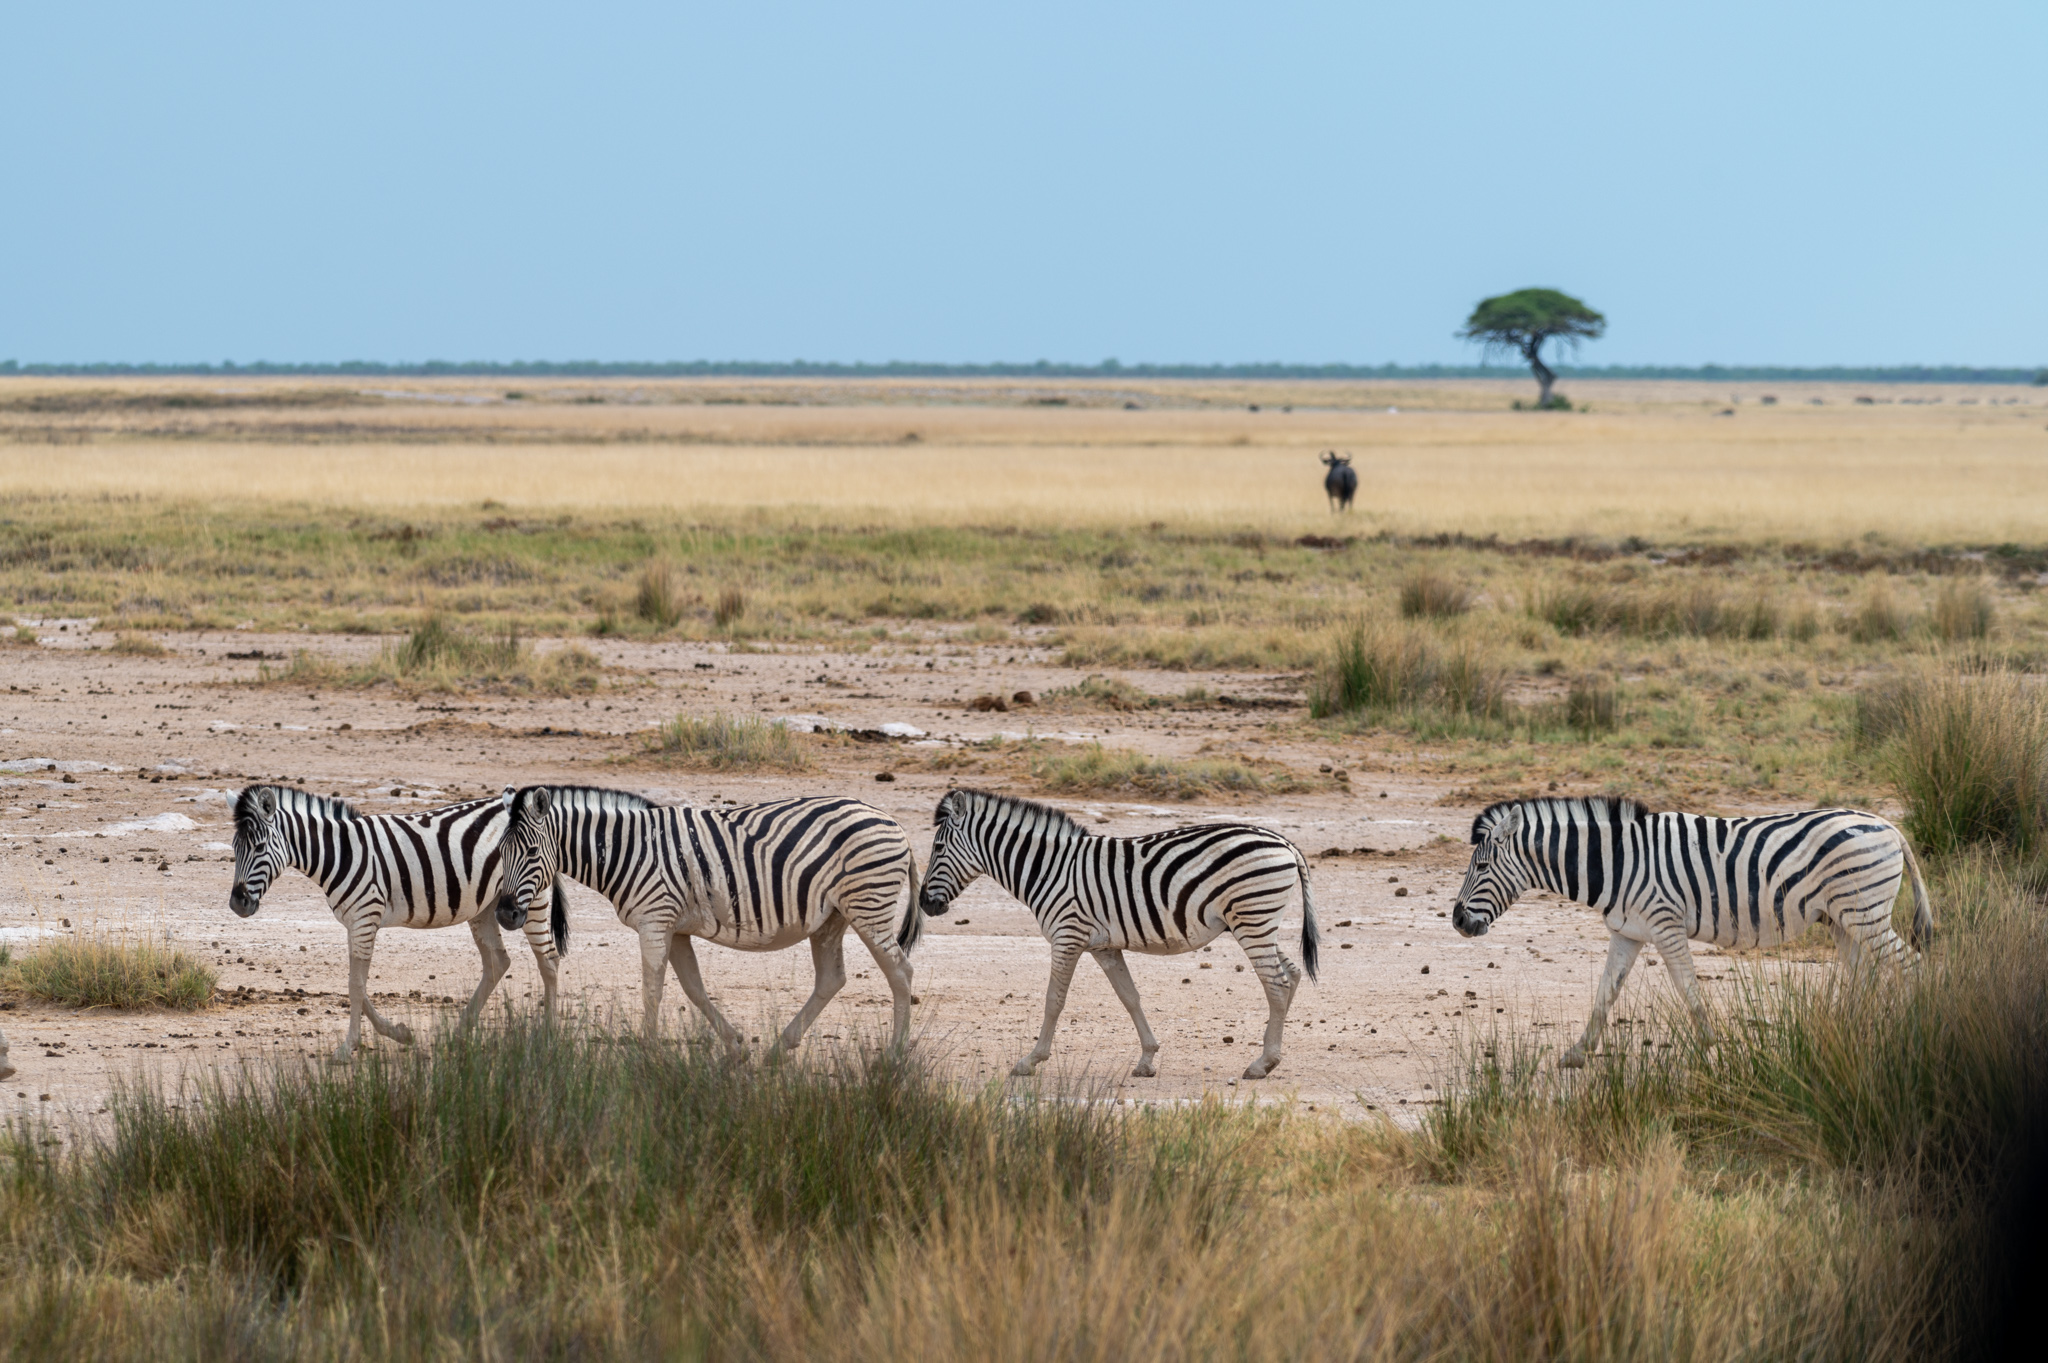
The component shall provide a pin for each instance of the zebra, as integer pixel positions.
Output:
(1340, 484)
(1162, 894)
(1667, 878)
(756, 877)
(433, 869)
(6, 1070)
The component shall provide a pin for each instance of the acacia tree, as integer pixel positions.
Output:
(1525, 319)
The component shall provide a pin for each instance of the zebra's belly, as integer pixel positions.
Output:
(1148, 940)
(442, 916)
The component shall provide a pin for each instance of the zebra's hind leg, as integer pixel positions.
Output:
(1065, 956)
(1279, 977)
(496, 961)
(828, 977)
(1112, 963)
(1676, 949)
(1621, 954)
(682, 955)
(894, 963)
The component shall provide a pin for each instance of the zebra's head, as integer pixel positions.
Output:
(1497, 876)
(258, 849)
(528, 854)
(956, 859)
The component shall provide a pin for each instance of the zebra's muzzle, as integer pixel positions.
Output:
(510, 914)
(242, 902)
(1468, 923)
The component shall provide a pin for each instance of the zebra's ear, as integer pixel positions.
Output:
(506, 796)
(540, 802)
(266, 802)
(1512, 824)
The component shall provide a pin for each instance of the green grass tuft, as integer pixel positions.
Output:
(1378, 667)
(100, 971)
(1969, 754)
(724, 742)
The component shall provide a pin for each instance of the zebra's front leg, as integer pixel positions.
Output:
(654, 953)
(1065, 955)
(1112, 963)
(496, 961)
(828, 977)
(683, 956)
(1621, 954)
(550, 970)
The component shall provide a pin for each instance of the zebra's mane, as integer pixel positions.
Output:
(593, 797)
(1597, 809)
(292, 798)
(1059, 819)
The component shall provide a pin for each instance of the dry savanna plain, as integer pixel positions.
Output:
(1130, 600)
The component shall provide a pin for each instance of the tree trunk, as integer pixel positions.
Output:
(1544, 377)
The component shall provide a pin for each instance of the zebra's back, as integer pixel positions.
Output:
(1163, 891)
(767, 875)
(1754, 882)
(441, 866)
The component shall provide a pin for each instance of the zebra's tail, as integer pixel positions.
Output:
(1309, 937)
(1923, 912)
(913, 921)
(558, 919)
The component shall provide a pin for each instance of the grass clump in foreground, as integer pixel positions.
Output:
(1096, 768)
(725, 742)
(564, 1191)
(98, 971)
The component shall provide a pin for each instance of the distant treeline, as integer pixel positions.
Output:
(1042, 369)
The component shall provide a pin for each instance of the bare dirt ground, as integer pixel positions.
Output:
(116, 773)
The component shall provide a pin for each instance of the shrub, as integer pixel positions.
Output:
(659, 598)
(1112, 693)
(730, 609)
(1877, 618)
(100, 971)
(1572, 610)
(725, 742)
(1377, 666)
(1433, 595)
(1963, 610)
(1969, 755)
(1592, 705)
(137, 645)
(23, 633)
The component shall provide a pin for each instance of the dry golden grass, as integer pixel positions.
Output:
(1649, 459)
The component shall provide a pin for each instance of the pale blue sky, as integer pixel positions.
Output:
(1856, 183)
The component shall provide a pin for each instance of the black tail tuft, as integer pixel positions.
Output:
(1309, 936)
(558, 919)
(913, 921)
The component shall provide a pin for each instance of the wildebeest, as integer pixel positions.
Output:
(1341, 482)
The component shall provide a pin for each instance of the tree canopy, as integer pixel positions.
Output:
(1524, 320)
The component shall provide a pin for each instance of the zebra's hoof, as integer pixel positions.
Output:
(1573, 1059)
(339, 1058)
(6, 1071)
(1145, 1069)
(1024, 1069)
(1258, 1069)
(402, 1034)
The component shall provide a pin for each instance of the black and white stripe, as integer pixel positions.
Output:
(755, 877)
(433, 869)
(1160, 894)
(1668, 879)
